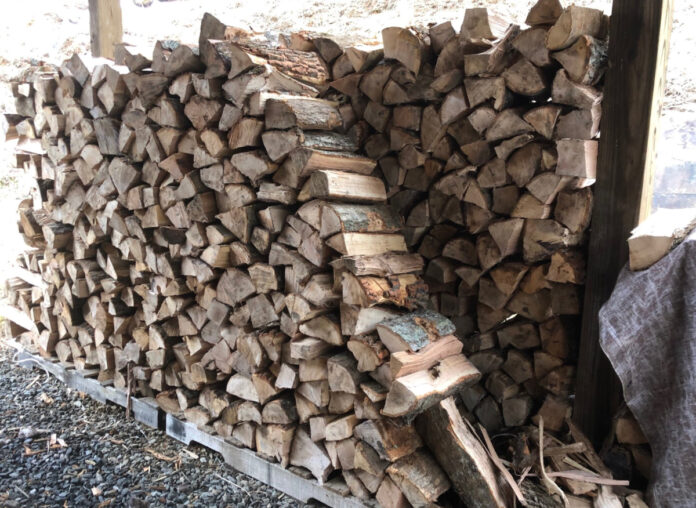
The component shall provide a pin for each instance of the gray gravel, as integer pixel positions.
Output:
(98, 458)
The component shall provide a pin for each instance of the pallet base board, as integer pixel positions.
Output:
(146, 411)
(249, 463)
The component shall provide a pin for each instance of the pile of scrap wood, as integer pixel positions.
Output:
(296, 245)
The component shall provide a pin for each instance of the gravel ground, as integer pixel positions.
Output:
(58, 447)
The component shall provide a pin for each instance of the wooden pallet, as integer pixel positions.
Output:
(146, 411)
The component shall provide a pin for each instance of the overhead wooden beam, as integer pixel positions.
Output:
(633, 93)
(105, 27)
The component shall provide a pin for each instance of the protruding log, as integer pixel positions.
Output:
(390, 440)
(656, 236)
(357, 321)
(366, 244)
(341, 186)
(414, 331)
(368, 351)
(348, 218)
(343, 374)
(403, 363)
(286, 111)
(584, 60)
(306, 453)
(544, 12)
(461, 455)
(414, 393)
(565, 91)
(341, 428)
(419, 478)
(577, 158)
(408, 290)
(390, 496)
(573, 23)
(275, 442)
(525, 78)
(403, 45)
(380, 265)
(367, 459)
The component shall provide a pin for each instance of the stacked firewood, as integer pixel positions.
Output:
(486, 141)
(295, 245)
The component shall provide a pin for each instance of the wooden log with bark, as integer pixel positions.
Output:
(297, 243)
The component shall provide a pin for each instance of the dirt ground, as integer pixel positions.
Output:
(51, 30)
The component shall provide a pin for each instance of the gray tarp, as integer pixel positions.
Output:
(648, 332)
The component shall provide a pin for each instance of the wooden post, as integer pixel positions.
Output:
(105, 27)
(638, 47)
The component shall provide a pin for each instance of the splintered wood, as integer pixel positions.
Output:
(303, 247)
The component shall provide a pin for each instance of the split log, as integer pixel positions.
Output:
(461, 455)
(306, 453)
(366, 244)
(420, 478)
(414, 393)
(407, 290)
(341, 186)
(287, 111)
(657, 235)
(358, 321)
(572, 23)
(388, 439)
(584, 60)
(414, 331)
(403, 363)
(380, 265)
(345, 218)
(403, 45)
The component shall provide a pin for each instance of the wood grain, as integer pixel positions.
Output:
(105, 27)
(625, 170)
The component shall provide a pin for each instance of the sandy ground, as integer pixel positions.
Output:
(51, 30)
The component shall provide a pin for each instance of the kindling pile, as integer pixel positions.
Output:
(297, 244)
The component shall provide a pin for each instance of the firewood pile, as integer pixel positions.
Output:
(334, 256)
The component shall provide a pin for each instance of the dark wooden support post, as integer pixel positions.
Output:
(105, 27)
(638, 46)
